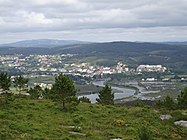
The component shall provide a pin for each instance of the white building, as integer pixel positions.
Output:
(151, 68)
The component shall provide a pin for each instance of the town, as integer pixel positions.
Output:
(52, 64)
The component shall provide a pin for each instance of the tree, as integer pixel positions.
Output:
(106, 97)
(5, 81)
(182, 99)
(168, 103)
(84, 100)
(64, 91)
(36, 92)
(20, 83)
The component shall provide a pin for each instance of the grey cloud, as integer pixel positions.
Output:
(77, 15)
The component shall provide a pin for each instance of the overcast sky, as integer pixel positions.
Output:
(93, 20)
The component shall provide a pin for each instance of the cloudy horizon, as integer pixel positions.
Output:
(93, 20)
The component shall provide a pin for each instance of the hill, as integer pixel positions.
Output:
(44, 43)
(42, 119)
(132, 53)
(175, 43)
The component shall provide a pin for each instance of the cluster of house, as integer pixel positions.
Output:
(54, 63)
(90, 70)
(43, 85)
(151, 68)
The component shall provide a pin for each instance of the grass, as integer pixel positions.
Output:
(42, 119)
(86, 89)
(48, 79)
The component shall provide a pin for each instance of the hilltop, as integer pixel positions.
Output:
(42, 119)
(42, 43)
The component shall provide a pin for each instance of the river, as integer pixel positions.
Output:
(122, 92)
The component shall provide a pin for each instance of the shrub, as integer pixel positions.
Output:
(182, 99)
(84, 99)
(144, 134)
(119, 122)
(167, 103)
(6, 98)
(139, 103)
(77, 129)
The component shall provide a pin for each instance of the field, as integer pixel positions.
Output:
(42, 119)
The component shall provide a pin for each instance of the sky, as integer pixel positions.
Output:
(93, 20)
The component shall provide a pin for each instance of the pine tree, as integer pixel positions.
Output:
(182, 99)
(106, 97)
(20, 82)
(36, 92)
(64, 91)
(5, 81)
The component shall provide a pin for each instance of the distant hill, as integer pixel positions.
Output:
(175, 43)
(132, 53)
(42, 43)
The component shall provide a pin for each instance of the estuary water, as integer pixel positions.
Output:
(121, 92)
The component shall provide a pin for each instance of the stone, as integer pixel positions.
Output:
(184, 113)
(77, 133)
(40, 97)
(1, 91)
(165, 117)
(181, 123)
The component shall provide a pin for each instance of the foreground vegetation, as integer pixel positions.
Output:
(42, 119)
(57, 113)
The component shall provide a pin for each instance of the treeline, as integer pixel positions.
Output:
(169, 103)
(63, 91)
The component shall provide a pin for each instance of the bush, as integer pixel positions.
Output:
(139, 103)
(84, 99)
(144, 134)
(167, 103)
(182, 99)
(119, 122)
(6, 98)
(36, 92)
(77, 129)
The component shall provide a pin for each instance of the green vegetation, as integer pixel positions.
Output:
(84, 99)
(170, 104)
(144, 134)
(64, 91)
(167, 103)
(20, 83)
(182, 99)
(5, 81)
(106, 97)
(32, 117)
(42, 119)
(36, 92)
(87, 89)
(49, 79)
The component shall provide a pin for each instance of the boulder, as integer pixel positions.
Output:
(1, 91)
(181, 123)
(165, 117)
